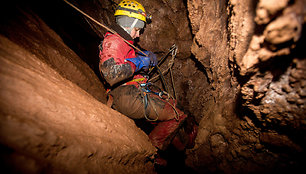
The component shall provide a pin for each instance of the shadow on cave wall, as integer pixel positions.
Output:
(72, 27)
(287, 150)
(280, 66)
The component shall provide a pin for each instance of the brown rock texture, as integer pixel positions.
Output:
(274, 91)
(50, 118)
(240, 71)
(256, 120)
(169, 26)
(31, 33)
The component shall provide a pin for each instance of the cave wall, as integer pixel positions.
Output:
(52, 116)
(251, 52)
(169, 24)
(276, 94)
(210, 47)
(23, 26)
(244, 82)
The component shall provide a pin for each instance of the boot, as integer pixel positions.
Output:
(160, 161)
(185, 138)
(165, 131)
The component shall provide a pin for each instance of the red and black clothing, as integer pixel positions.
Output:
(113, 64)
(128, 98)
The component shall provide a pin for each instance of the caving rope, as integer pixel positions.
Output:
(144, 87)
(104, 26)
(173, 51)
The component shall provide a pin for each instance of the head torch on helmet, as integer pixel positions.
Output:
(148, 18)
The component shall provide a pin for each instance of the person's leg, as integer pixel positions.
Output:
(164, 132)
(128, 101)
(131, 102)
(185, 138)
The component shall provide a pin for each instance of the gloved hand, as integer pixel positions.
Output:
(152, 58)
(144, 62)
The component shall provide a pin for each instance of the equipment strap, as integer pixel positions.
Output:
(144, 90)
(146, 100)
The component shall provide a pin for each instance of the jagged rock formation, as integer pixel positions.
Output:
(252, 53)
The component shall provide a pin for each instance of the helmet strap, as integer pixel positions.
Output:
(134, 23)
(125, 29)
(129, 30)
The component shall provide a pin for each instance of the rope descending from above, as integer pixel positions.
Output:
(104, 26)
(145, 87)
(173, 51)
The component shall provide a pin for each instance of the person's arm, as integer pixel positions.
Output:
(114, 73)
(112, 65)
(144, 62)
(115, 67)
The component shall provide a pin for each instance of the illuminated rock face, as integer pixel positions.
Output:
(257, 122)
(240, 72)
(52, 114)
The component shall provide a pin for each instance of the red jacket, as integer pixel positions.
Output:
(113, 66)
(114, 47)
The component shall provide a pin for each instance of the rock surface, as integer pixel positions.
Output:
(51, 119)
(240, 72)
(258, 123)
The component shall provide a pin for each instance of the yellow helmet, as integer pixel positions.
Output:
(132, 8)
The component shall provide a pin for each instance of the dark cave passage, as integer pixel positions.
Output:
(74, 29)
(240, 72)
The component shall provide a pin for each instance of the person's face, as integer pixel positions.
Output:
(135, 32)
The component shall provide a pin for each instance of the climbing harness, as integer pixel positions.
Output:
(145, 90)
